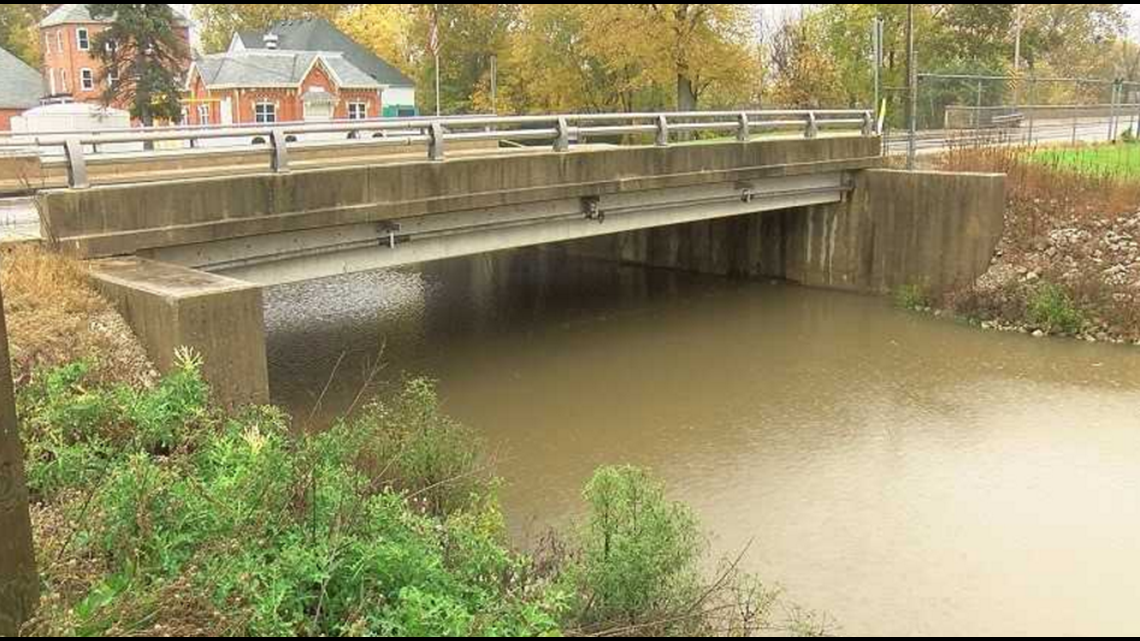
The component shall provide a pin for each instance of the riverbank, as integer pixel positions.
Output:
(157, 513)
(1068, 263)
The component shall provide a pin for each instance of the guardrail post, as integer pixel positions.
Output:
(743, 130)
(868, 124)
(562, 142)
(812, 126)
(435, 147)
(662, 131)
(280, 154)
(76, 164)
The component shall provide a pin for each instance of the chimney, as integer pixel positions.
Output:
(270, 41)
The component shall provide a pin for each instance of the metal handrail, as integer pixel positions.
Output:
(558, 130)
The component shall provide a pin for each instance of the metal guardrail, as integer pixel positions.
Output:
(559, 131)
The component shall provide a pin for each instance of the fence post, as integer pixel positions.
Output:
(562, 142)
(76, 164)
(812, 129)
(662, 131)
(435, 147)
(1032, 110)
(19, 585)
(743, 128)
(280, 159)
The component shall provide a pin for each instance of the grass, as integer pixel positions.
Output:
(55, 316)
(1115, 161)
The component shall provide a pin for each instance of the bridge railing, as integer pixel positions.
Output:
(560, 132)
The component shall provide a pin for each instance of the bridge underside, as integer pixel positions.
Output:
(304, 255)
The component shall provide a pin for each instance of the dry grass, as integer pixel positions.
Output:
(55, 316)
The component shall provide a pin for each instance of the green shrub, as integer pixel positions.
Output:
(411, 446)
(77, 428)
(912, 298)
(1050, 308)
(201, 523)
(639, 553)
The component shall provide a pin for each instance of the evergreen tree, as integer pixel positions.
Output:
(142, 55)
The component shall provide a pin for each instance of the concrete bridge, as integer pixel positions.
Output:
(798, 195)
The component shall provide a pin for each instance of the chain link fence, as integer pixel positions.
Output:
(1024, 110)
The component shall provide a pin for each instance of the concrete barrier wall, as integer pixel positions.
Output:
(121, 220)
(930, 229)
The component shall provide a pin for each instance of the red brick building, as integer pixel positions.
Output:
(271, 85)
(71, 68)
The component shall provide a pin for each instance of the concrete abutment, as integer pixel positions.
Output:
(933, 230)
(170, 307)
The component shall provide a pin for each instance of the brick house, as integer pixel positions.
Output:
(21, 88)
(276, 85)
(71, 69)
(316, 34)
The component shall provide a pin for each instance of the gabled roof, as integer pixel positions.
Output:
(316, 34)
(278, 68)
(81, 14)
(21, 86)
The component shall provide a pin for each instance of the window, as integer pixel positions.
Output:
(59, 41)
(63, 80)
(47, 43)
(357, 110)
(82, 39)
(265, 112)
(111, 78)
(51, 80)
(87, 79)
(203, 114)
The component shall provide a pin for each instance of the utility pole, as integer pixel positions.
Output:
(494, 84)
(877, 46)
(1017, 28)
(912, 91)
(433, 44)
(19, 585)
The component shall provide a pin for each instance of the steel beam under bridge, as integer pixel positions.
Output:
(305, 255)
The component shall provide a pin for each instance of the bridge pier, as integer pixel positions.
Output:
(171, 307)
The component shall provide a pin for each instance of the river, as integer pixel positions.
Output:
(904, 474)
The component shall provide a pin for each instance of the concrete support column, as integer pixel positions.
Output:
(220, 318)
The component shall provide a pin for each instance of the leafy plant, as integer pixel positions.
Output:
(912, 297)
(639, 552)
(1050, 307)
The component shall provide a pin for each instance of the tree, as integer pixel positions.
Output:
(142, 56)
(19, 586)
(553, 67)
(19, 33)
(384, 28)
(690, 49)
(220, 22)
(470, 35)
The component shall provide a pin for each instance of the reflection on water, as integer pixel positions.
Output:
(906, 475)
